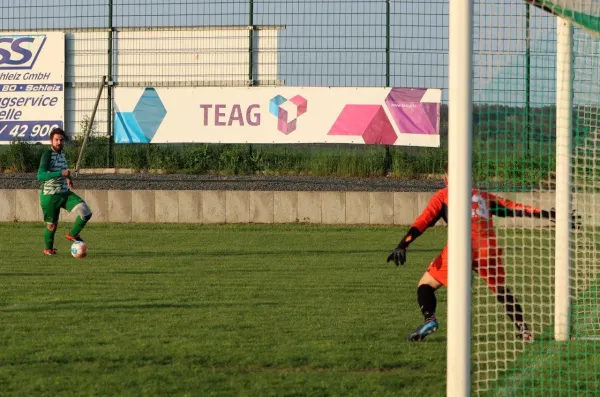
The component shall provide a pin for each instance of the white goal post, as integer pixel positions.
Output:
(460, 103)
(564, 109)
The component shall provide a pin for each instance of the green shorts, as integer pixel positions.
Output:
(52, 203)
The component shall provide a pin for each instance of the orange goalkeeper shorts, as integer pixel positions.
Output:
(487, 262)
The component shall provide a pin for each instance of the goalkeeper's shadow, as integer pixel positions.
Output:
(246, 253)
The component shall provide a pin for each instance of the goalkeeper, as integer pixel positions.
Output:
(56, 192)
(486, 259)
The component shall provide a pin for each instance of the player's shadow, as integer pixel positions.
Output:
(439, 339)
(179, 254)
(134, 272)
(87, 306)
(26, 274)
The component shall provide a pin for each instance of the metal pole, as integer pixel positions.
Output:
(251, 43)
(527, 78)
(460, 118)
(109, 76)
(250, 53)
(387, 43)
(388, 154)
(89, 127)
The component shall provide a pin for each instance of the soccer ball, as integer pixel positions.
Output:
(79, 249)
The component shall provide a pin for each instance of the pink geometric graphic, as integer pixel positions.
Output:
(301, 103)
(287, 111)
(368, 121)
(283, 125)
(410, 114)
(432, 110)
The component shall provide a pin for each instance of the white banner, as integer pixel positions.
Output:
(32, 78)
(389, 116)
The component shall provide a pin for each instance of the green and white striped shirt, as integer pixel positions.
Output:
(50, 172)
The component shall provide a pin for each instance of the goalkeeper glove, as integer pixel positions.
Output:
(575, 218)
(399, 254)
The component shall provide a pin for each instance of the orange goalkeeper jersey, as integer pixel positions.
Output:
(483, 207)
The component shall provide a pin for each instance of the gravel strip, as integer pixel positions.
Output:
(210, 182)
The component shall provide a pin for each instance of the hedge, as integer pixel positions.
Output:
(244, 159)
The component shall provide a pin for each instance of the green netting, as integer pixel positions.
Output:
(583, 12)
(515, 80)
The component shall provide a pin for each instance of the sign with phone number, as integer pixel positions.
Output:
(27, 130)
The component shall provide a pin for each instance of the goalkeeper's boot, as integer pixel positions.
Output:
(431, 325)
(73, 238)
(525, 334)
(51, 251)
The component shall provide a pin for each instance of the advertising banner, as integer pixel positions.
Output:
(32, 74)
(385, 116)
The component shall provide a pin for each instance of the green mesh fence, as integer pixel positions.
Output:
(515, 81)
(309, 43)
(266, 42)
(304, 43)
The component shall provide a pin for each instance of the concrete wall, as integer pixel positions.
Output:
(219, 206)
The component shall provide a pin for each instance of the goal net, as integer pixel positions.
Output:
(536, 141)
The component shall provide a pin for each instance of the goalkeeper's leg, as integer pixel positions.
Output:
(432, 279)
(488, 263)
(514, 311)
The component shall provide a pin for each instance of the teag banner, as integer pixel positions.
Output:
(372, 116)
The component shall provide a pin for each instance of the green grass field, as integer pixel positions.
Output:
(284, 310)
(216, 310)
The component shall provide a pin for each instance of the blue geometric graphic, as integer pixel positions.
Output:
(274, 105)
(127, 129)
(149, 112)
(141, 125)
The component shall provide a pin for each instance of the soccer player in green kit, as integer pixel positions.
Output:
(56, 192)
